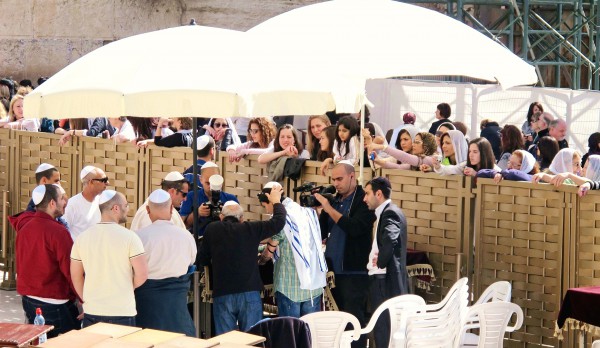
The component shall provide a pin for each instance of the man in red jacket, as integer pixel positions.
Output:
(43, 249)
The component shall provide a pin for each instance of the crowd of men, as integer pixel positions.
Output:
(80, 265)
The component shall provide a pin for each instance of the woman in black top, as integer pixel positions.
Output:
(183, 136)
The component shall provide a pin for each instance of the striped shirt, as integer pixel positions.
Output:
(285, 277)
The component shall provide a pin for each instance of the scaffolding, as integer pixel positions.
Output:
(559, 37)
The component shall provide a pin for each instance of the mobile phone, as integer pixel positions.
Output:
(372, 156)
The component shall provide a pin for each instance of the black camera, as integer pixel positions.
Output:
(307, 198)
(215, 205)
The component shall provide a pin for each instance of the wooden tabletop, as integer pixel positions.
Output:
(112, 330)
(186, 342)
(151, 336)
(237, 337)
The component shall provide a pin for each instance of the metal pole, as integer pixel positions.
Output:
(362, 145)
(196, 293)
(458, 265)
(597, 65)
(4, 224)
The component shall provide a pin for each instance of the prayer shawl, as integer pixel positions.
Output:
(303, 232)
(162, 305)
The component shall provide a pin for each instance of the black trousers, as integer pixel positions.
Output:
(378, 294)
(350, 294)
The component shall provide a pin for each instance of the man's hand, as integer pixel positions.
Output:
(324, 201)
(375, 259)
(275, 195)
(204, 210)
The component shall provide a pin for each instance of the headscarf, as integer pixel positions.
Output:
(593, 168)
(562, 162)
(412, 131)
(460, 145)
(528, 161)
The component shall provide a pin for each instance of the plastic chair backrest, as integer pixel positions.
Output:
(493, 322)
(498, 291)
(596, 344)
(326, 328)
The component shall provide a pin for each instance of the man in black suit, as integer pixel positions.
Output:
(387, 262)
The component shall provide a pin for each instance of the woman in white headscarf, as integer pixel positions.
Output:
(521, 166)
(566, 162)
(402, 153)
(454, 149)
(590, 172)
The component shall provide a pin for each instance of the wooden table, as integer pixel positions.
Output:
(151, 336)
(237, 337)
(112, 330)
(19, 335)
(186, 342)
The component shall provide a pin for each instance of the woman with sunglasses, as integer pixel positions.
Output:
(218, 128)
(261, 132)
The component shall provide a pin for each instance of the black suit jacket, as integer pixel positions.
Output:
(391, 241)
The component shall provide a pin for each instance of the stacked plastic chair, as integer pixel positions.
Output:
(327, 328)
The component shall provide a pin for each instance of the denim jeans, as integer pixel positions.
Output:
(89, 319)
(63, 316)
(230, 311)
(289, 308)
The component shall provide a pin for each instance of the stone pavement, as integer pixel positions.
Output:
(10, 306)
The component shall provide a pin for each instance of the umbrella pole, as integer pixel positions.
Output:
(195, 221)
(362, 145)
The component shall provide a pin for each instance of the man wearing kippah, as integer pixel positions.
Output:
(42, 257)
(82, 211)
(170, 250)
(46, 174)
(206, 153)
(109, 260)
(177, 187)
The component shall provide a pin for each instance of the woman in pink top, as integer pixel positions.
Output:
(422, 148)
(261, 131)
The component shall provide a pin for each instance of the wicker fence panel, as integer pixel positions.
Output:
(120, 162)
(433, 206)
(519, 238)
(161, 161)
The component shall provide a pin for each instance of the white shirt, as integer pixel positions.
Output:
(169, 249)
(81, 214)
(142, 219)
(126, 132)
(374, 248)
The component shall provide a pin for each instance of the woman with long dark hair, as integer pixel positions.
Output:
(511, 140)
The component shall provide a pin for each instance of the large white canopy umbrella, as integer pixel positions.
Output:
(385, 38)
(189, 71)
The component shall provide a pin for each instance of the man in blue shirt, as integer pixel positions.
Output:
(206, 153)
(204, 197)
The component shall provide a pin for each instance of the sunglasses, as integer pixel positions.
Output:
(220, 125)
(102, 180)
(254, 131)
(183, 194)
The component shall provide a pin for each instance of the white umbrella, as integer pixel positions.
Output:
(385, 38)
(189, 71)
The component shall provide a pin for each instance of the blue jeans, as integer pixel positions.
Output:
(90, 319)
(63, 316)
(244, 309)
(289, 308)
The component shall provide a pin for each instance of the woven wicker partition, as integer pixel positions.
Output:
(434, 206)
(520, 234)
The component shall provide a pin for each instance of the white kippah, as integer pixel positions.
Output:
(43, 167)
(38, 194)
(85, 171)
(209, 165)
(202, 141)
(106, 196)
(346, 162)
(270, 184)
(174, 176)
(159, 196)
(228, 203)
(60, 188)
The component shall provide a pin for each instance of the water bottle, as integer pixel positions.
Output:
(39, 320)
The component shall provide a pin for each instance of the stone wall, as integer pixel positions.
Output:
(40, 37)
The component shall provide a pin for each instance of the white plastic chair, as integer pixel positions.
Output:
(596, 344)
(499, 291)
(326, 328)
(396, 307)
(493, 322)
(436, 325)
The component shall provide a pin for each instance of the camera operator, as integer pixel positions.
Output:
(209, 195)
(231, 245)
(300, 270)
(347, 225)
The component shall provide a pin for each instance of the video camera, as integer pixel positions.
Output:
(307, 198)
(215, 204)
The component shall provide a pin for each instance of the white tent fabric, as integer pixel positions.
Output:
(189, 71)
(385, 38)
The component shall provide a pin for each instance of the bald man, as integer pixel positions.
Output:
(558, 130)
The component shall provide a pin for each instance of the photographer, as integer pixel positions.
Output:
(230, 245)
(210, 199)
(347, 226)
(300, 269)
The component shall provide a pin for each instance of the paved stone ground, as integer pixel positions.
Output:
(10, 306)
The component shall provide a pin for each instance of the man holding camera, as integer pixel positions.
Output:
(347, 224)
(231, 245)
(210, 199)
(300, 270)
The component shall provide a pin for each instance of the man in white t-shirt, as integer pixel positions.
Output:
(177, 188)
(82, 210)
(170, 250)
(107, 264)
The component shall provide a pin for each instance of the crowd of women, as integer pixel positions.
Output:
(501, 153)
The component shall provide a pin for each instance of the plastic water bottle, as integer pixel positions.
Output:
(39, 320)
